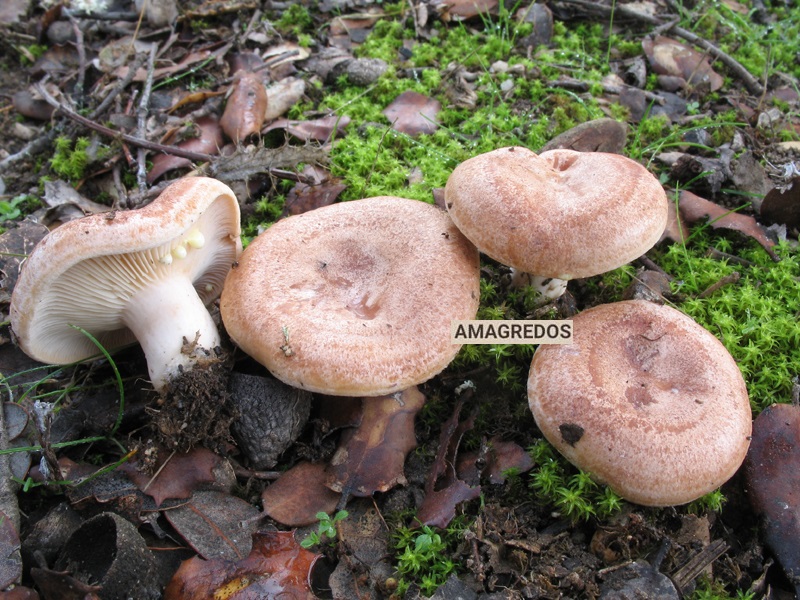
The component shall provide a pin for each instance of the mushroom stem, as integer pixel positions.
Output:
(549, 288)
(172, 324)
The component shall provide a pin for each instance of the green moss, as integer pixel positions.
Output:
(69, 161)
(756, 318)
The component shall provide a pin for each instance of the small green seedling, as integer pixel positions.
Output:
(326, 530)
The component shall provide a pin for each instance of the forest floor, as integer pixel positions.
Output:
(298, 105)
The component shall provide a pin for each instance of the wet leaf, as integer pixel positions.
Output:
(283, 95)
(19, 593)
(413, 113)
(503, 456)
(693, 208)
(371, 458)
(673, 59)
(319, 130)
(466, 9)
(12, 11)
(10, 559)
(15, 245)
(443, 490)
(28, 104)
(772, 471)
(277, 567)
(599, 135)
(179, 477)
(295, 498)
(61, 585)
(216, 524)
(209, 141)
(782, 205)
(245, 108)
(322, 191)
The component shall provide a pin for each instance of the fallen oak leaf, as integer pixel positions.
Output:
(693, 208)
(216, 524)
(782, 205)
(370, 458)
(413, 113)
(671, 58)
(209, 141)
(246, 106)
(443, 490)
(277, 567)
(295, 498)
(772, 472)
(179, 475)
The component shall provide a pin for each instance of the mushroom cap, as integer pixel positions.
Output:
(85, 272)
(561, 213)
(354, 299)
(645, 400)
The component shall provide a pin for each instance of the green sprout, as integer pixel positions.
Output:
(326, 529)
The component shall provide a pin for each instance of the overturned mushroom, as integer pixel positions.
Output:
(559, 215)
(645, 400)
(143, 275)
(354, 299)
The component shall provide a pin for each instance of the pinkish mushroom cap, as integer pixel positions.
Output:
(560, 214)
(645, 400)
(354, 299)
(142, 275)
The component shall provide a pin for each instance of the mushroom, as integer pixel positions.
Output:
(558, 215)
(354, 299)
(645, 400)
(142, 275)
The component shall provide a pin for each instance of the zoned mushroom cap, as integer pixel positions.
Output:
(354, 298)
(128, 275)
(645, 400)
(561, 214)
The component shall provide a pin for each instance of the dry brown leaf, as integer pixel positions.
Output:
(245, 108)
(371, 458)
(299, 494)
(179, 477)
(772, 471)
(782, 205)
(11, 565)
(673, 59)
(466, 9)
(216, 524)
(443, 490)
(209, 141)
(501, 457)
(277, 567)
(322, 190)
(319, 130)
(283, 95)
(693, 208)
(599, 135)
(413, 113)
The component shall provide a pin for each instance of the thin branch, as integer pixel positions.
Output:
(133, 140)
(141, 123)
(751, 83)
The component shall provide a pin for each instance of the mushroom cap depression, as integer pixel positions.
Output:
(561, 214)
(645, 400)
(85, 272)
(354, 298)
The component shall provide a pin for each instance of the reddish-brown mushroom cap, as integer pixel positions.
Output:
(354, 298)
(645, 400)
(561, 214)
(144, 274)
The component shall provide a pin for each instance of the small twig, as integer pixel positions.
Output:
(751, 83)
(121, 85)
(141, 121)
(154, 146)
(81, 82)
(719, 255)
(697, 564)
(732, 278)
(578, 85)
